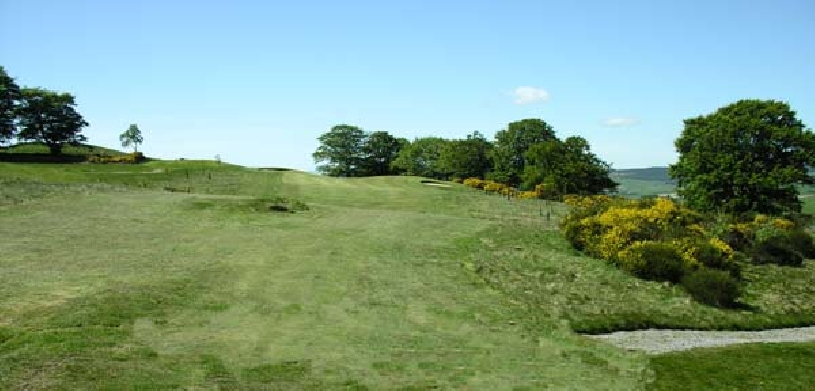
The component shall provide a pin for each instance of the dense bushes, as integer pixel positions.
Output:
(657, 239)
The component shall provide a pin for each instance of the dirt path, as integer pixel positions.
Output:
(664, 341)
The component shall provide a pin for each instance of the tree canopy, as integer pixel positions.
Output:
(50, 117)
(566, 167)
(422, 157)
(379, 150)
(9, 98)
(470, 157)
(745, 157)
(512, 144)
(349, 151)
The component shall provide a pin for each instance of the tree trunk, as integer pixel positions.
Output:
(56, 149)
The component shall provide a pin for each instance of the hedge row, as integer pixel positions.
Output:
(492, 187)
(130, 158)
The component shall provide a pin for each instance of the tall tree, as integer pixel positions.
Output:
(422, 157)
(341, 151)
(511, 145)
(379, 150)
(468, 158)
(9, 98)
(131, 137)
(50, 117)
(745, 157)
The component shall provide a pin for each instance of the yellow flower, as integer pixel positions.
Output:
(783, 224)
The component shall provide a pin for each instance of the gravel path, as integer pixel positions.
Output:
(663, 341)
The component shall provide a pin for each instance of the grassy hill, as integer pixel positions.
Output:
(40, 148)
(202, 275)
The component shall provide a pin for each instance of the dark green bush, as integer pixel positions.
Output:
(712, 287)
(737, 240)
(712, 257)
(777, 249)
(655, 261)
(802, 242)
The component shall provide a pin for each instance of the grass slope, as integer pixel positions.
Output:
(109, 281)
(110, 287)
(40, 148)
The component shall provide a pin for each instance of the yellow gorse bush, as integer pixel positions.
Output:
(130, 158)
(783, 224)
(616, 229)
(494, 187)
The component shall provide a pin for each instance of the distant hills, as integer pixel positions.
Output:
(645, 174)
(638, 182)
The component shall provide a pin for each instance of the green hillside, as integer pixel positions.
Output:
(200, 275)
(84, 149)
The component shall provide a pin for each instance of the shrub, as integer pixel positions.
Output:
(528, 195)
(655, 261)
(475, 183)
(712, 287)
(130, 158)
(494, 187)
(802, 242)
(738, 237)
(716, 254)
(778, 250)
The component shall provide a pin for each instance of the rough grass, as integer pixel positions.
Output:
(110, 281)
(595, 297)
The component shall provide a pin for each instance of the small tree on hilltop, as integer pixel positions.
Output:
(131, 137)
(746, 157)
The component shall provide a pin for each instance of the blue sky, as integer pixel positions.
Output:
(258, 81)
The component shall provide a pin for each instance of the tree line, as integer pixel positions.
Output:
(750, 156)
(525, 154)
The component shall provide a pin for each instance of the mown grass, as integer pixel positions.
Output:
(145, 288)
(783, 366)
(113, 280)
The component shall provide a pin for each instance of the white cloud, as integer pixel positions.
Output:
(525, 95)
(621, 121)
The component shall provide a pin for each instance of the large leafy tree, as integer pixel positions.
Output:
(379, 150)
(50, 117)
(341, 151)
(9, 98)
(470, 157)
(131, 137)
(567, 167)
(422, 157)
(746, 157)
(512, 144)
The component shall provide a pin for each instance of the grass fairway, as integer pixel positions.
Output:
(114, 287)
(741, 367)
(179, 275)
